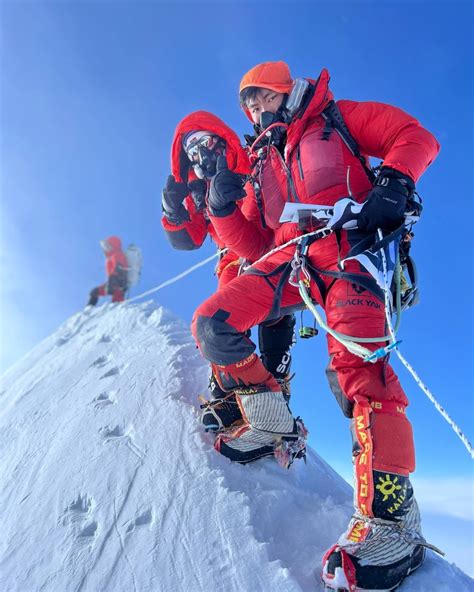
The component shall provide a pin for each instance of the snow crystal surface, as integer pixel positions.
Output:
(109, 484)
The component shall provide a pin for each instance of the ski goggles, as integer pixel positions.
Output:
(193, 143)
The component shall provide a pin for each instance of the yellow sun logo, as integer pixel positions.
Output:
(388, 487)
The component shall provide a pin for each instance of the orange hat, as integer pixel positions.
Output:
(273, 75)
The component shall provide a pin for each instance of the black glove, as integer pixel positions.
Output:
(386, 203)
(198, 189)
(172, 201)
(226, 188)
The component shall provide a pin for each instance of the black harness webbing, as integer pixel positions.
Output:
(367, 282)
(334, 119)
(284, 269)
(367, 244)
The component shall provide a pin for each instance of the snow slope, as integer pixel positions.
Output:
(108, 483)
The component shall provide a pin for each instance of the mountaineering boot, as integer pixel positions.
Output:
(267, 423)
(275, 339)
(93, 297)
(222, 411)
(378, 553)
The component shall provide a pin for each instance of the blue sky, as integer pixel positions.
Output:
(90, 95)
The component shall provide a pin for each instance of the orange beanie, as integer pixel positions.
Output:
(273, 75)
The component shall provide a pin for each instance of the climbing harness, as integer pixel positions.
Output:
(393, 345)
(300, 276)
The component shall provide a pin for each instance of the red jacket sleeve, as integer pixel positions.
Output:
(190, 234)
(242, 230)
(389, 133)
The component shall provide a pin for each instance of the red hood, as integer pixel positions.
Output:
(319, 101)
(237, 158)
(115, 244)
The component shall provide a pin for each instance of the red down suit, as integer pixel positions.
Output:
(116, 266)
(317, 169)
(191, 233)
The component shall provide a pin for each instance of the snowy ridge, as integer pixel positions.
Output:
(108, 483)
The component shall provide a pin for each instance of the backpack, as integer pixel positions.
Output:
(135, 262)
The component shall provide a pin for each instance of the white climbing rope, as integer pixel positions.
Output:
(178, 277)
(410, 368)
(323, 231)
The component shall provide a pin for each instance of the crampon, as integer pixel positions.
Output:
(289, 449)
(219, 415)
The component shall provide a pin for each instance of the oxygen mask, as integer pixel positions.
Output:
(203, 149)
(275, 124)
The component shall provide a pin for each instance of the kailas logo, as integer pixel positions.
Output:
(388, 488)
(394, 492)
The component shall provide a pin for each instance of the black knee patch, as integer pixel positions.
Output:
(220, 343)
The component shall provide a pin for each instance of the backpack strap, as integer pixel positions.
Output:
(333, 118)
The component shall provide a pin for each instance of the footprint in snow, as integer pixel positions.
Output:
(143, 519)
(104, 399)
(112, 433)
(120, 433)
(81, 505)
(100, 362)
(112, 372)
(78, 519)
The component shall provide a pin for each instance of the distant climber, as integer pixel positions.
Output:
(116, 267)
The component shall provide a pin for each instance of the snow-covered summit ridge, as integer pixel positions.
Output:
(108, 483)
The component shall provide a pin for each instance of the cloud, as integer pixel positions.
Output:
(450, 497)
(453, 496)
(19, 291)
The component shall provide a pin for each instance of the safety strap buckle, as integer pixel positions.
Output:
(381, 352)
(298, 266)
